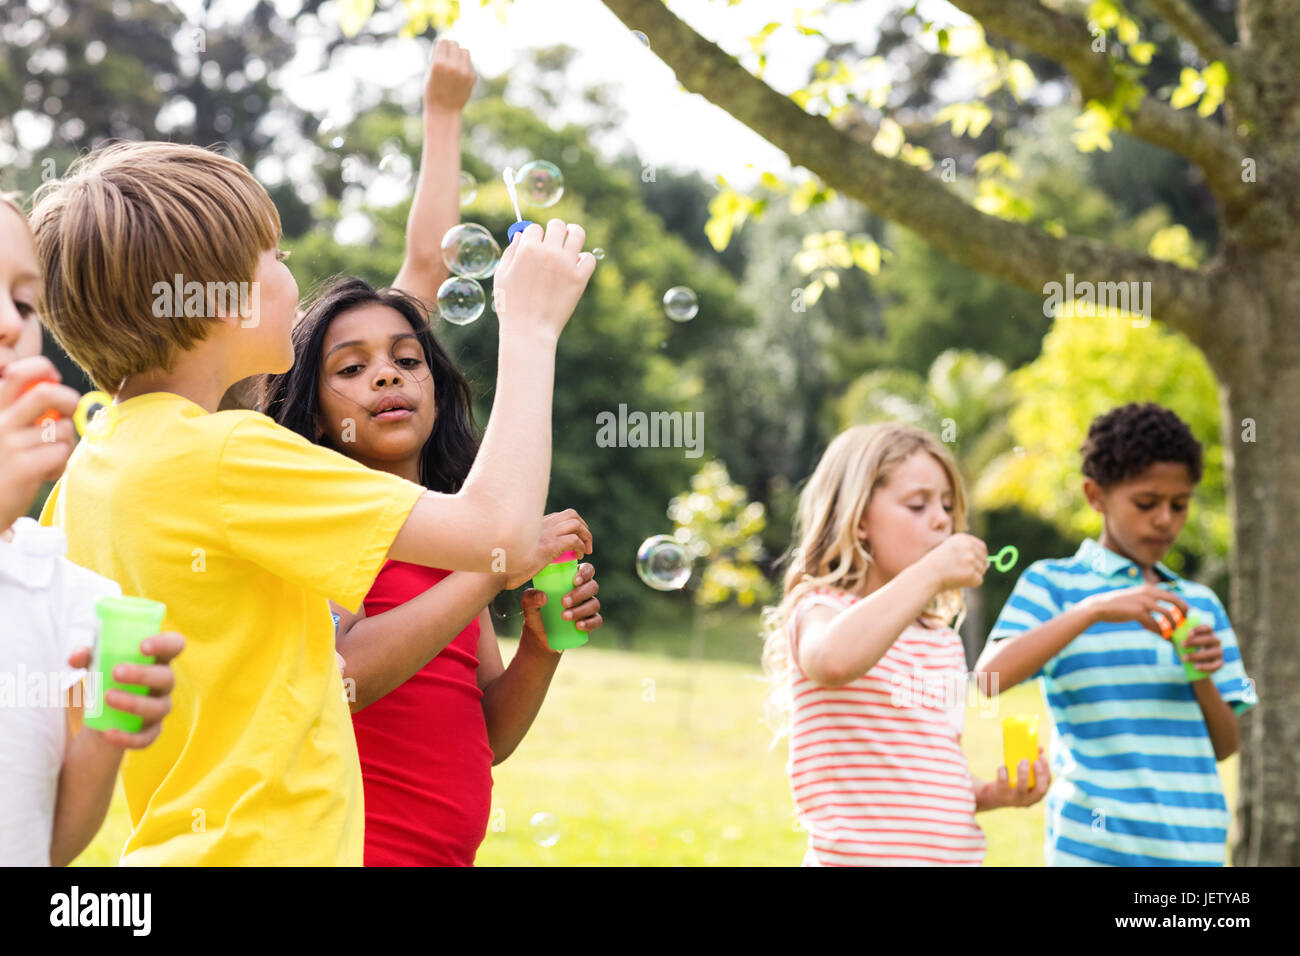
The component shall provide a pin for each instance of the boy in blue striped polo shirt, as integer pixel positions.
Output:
(1135, 744)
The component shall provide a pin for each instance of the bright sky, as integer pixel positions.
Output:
(667, 125)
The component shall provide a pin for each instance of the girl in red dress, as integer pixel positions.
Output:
(434, 706)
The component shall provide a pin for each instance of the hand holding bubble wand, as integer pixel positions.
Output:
(951, 606)
(520, 223)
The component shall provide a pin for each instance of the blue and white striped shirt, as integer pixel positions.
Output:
(1135, 781)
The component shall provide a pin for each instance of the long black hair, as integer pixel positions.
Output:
(291, 398)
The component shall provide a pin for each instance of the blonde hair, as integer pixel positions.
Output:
(825, 549)
(129, 216)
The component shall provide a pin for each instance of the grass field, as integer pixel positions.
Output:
(642, 758)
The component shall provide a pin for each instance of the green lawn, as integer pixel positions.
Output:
(649, 759)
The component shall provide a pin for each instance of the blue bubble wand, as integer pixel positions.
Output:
(520, 223)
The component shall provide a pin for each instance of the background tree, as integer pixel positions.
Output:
(1241, 140)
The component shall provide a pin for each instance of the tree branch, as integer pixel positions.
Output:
(1067, 40)
(896, 191)
(1194, 28)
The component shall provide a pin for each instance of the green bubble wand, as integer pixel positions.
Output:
(1005, 559)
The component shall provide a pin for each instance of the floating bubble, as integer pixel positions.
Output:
(330, 130)
(662, 563)
(468, 188)
(598, 252)
(546, 829)
(641, 38)
(398, 166)
(680, 304)
(540, 183)
(460, 300)
(469, 250)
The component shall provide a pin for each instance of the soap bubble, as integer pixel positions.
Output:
(641, 38)
(460, 300)
(546, 829)
(540, 183)
(469, 250)
(468, 188)
(598, 252)
(330, 130)
(662, 563)
(398, 166)
(680, 304)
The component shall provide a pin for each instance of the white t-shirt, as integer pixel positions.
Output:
(47, 610)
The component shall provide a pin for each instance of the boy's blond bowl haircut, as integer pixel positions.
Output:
(127, 217)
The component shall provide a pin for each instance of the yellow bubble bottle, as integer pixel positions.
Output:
(1019, 742)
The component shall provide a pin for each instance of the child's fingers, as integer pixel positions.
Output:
(590, 623)
(152, 709)
(1153, 624)
(1168, 596)
(158, 678)
(18, 374)
(584, 574)
(532, 599)
(120, 738)
(571, 542)
(574, 237)
(581, 593)
(586, 266)
(80, 658)
(163, 647)
(555, 232)
(583, 610)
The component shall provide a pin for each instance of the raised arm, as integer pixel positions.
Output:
(837, 649)
(496, 517)
(435, 207)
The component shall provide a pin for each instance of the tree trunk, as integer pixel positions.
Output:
(1262, 387)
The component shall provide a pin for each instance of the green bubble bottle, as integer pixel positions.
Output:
(123, 623)
(556, 580)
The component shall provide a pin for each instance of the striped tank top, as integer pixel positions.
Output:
(876, 766)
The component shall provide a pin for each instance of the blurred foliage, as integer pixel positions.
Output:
(813, 315)
(721, 531)
(1088, 366)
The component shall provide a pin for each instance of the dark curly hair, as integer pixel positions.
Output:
(291, 397)
(1128, 440)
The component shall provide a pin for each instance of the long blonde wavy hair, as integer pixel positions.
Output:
(825, 550)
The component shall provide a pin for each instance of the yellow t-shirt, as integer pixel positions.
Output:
(243, 529)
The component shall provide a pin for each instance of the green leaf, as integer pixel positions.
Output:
(1092, 128)
(1141, 52)
(889, 138)
(353, 15)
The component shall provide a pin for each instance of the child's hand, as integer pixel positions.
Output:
(27, 458)
(1000, 793)
(157, 677)
(581, 605)
(1204, 649)
(561, 531)
(541, 278)
(450, 79)
(960, 562)
(1141, 604)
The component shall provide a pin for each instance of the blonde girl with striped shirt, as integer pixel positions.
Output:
(868, 675)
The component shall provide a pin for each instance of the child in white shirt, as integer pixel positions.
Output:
(58, 775)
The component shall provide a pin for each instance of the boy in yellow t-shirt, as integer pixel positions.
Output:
(162, 280)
